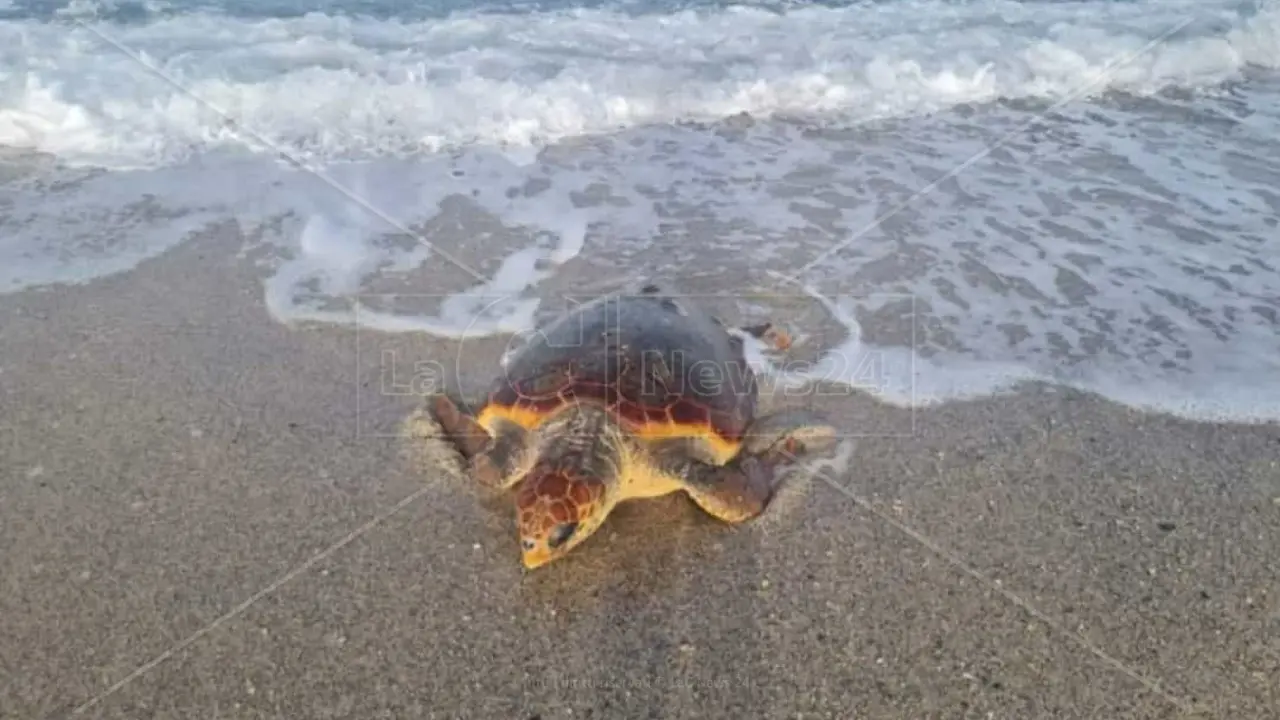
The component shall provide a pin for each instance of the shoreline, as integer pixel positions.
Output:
(170, 452)
(1096, 317)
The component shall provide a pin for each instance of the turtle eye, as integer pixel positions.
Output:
(561, 534)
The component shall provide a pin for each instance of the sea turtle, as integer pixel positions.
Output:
(628, 396)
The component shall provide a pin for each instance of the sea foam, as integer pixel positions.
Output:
(339, 87)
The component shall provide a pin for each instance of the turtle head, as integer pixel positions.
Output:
(556, 509)
(568, 489)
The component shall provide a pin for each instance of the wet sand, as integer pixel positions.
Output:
(204, 513)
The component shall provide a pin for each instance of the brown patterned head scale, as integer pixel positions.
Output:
(556, 509)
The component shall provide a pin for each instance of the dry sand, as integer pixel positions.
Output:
(204, 513)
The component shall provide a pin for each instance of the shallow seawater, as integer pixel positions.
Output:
(973, 193)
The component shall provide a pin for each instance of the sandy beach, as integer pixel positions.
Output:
(205, 513)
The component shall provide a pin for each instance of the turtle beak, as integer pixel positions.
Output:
(536, 558)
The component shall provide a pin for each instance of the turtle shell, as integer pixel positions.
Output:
(665, 366)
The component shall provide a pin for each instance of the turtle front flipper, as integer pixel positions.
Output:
(743, 487)
(784, 434)
(458, 423)
(735, 492)
(492, 458)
